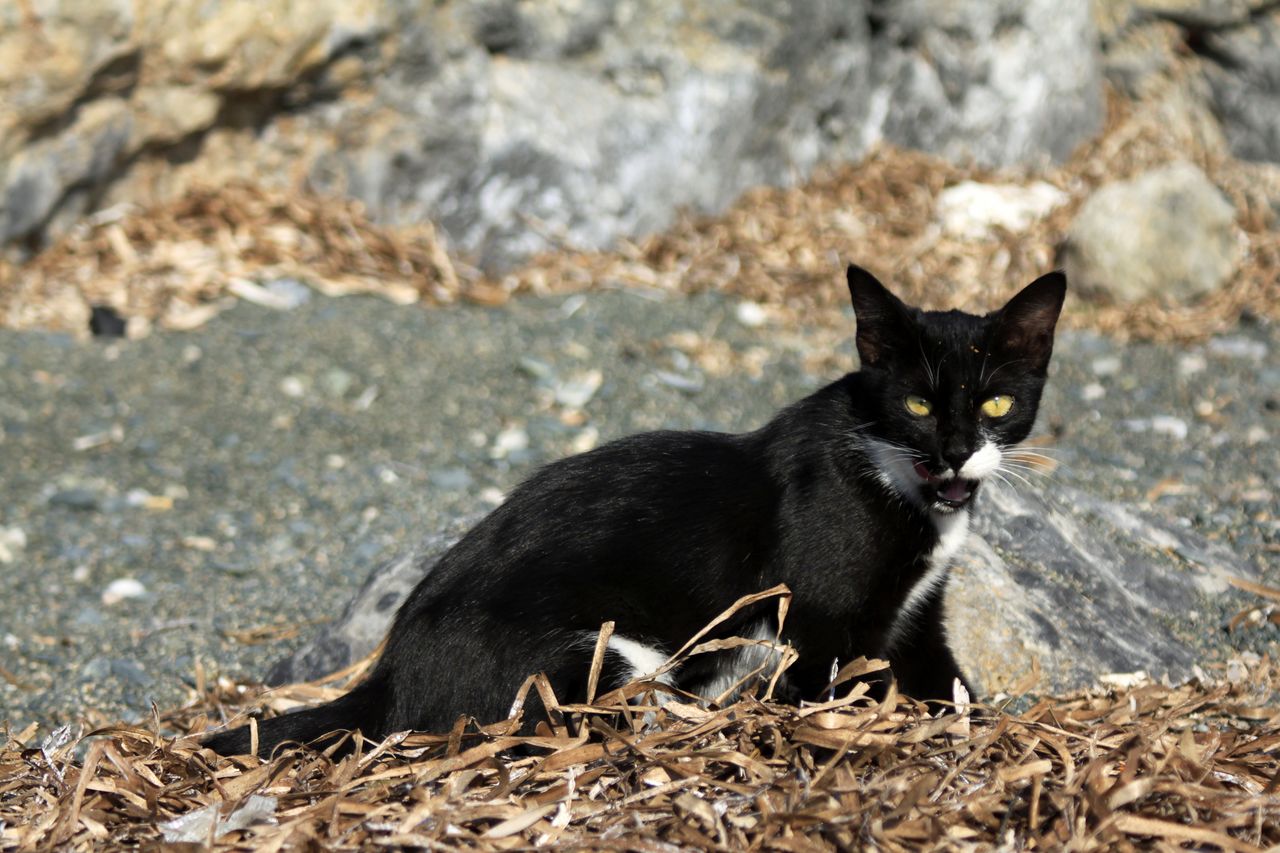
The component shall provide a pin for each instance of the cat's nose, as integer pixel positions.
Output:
(956, 458)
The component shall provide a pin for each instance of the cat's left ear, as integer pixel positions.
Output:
(883, 319)
(1025, 324)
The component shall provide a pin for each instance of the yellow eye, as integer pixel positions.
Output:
(918, 406)
(997, 407)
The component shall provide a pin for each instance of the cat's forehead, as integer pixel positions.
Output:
(951, 330)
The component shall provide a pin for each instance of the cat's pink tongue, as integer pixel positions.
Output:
(924, 473)
(956, 490)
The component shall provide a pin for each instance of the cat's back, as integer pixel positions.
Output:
(658, 505)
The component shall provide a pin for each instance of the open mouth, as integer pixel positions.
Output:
(949, 493)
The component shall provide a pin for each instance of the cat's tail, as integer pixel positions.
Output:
(363, 709)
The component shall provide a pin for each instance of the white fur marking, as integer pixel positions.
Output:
(895, 470)
(644, 660)
(952, 529)
(983, 461)
(734, 665)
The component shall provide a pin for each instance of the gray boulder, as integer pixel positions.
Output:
(1168, 233)
(518, 126)
(1067, 584)
(1245, 82)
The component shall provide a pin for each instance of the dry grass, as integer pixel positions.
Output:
(646, 767)
(1193, 766)
(179, 265)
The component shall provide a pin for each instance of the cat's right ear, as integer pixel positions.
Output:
(882, 317)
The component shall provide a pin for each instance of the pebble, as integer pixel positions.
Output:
(585, 440)
(1238, 347)
(510, 440)
(690, 384)
(1092, 391)
(96, 669)
(289, 293)
(1107, 365)
(1161, 424)
(578, 391)
(336, 382)
(750, 314)
(1169, 425)
(1191, 364)
(572, 305)
(535, 368)
(80, 499)
(1256, 435)
(13, 540)
(493, 495)
(121, 588)
(454, 478)
(199, 543)
(291, 386)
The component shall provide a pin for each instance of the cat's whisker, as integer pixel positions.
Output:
(1045, 465)
(1004, 480)
(993, 373)
(1006, 470)
(1046, 453)
(1029, 469)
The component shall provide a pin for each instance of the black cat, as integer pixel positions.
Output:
(855, 497)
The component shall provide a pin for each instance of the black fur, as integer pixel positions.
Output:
(660, 532)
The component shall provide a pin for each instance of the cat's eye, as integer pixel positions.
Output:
(998, 406)
(918, 406)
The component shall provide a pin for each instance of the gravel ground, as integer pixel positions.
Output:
(204, 500)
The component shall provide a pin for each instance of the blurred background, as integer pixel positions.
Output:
(559, 221)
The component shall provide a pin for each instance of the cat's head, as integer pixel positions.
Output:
(950, 392)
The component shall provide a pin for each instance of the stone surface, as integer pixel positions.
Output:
(1145, 45)
(973, 210)
(1071, 586)
(1246, 86)
(518, 126)
(1168, 233)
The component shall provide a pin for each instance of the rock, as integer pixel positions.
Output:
(751, 314)
(511, 440)
(971, 209)
(336, 382)
(576, 391)
(1245, 82)
(1169, 233)
(1236, 346)
(13, 540)
(452, 478)
(364, 621)
(470, 113)
(995, 82)
(77, 498)
(1068, 584)
(121, 588)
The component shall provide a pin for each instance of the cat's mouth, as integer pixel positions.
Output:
(948, 493)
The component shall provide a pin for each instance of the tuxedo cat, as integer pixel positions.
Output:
(855, 497)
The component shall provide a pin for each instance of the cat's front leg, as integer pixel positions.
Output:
(921, 660)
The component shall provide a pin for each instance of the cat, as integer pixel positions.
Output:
(856, 497)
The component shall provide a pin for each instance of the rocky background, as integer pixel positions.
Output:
(162, 162)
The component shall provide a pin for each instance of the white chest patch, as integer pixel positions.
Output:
(953, 529)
